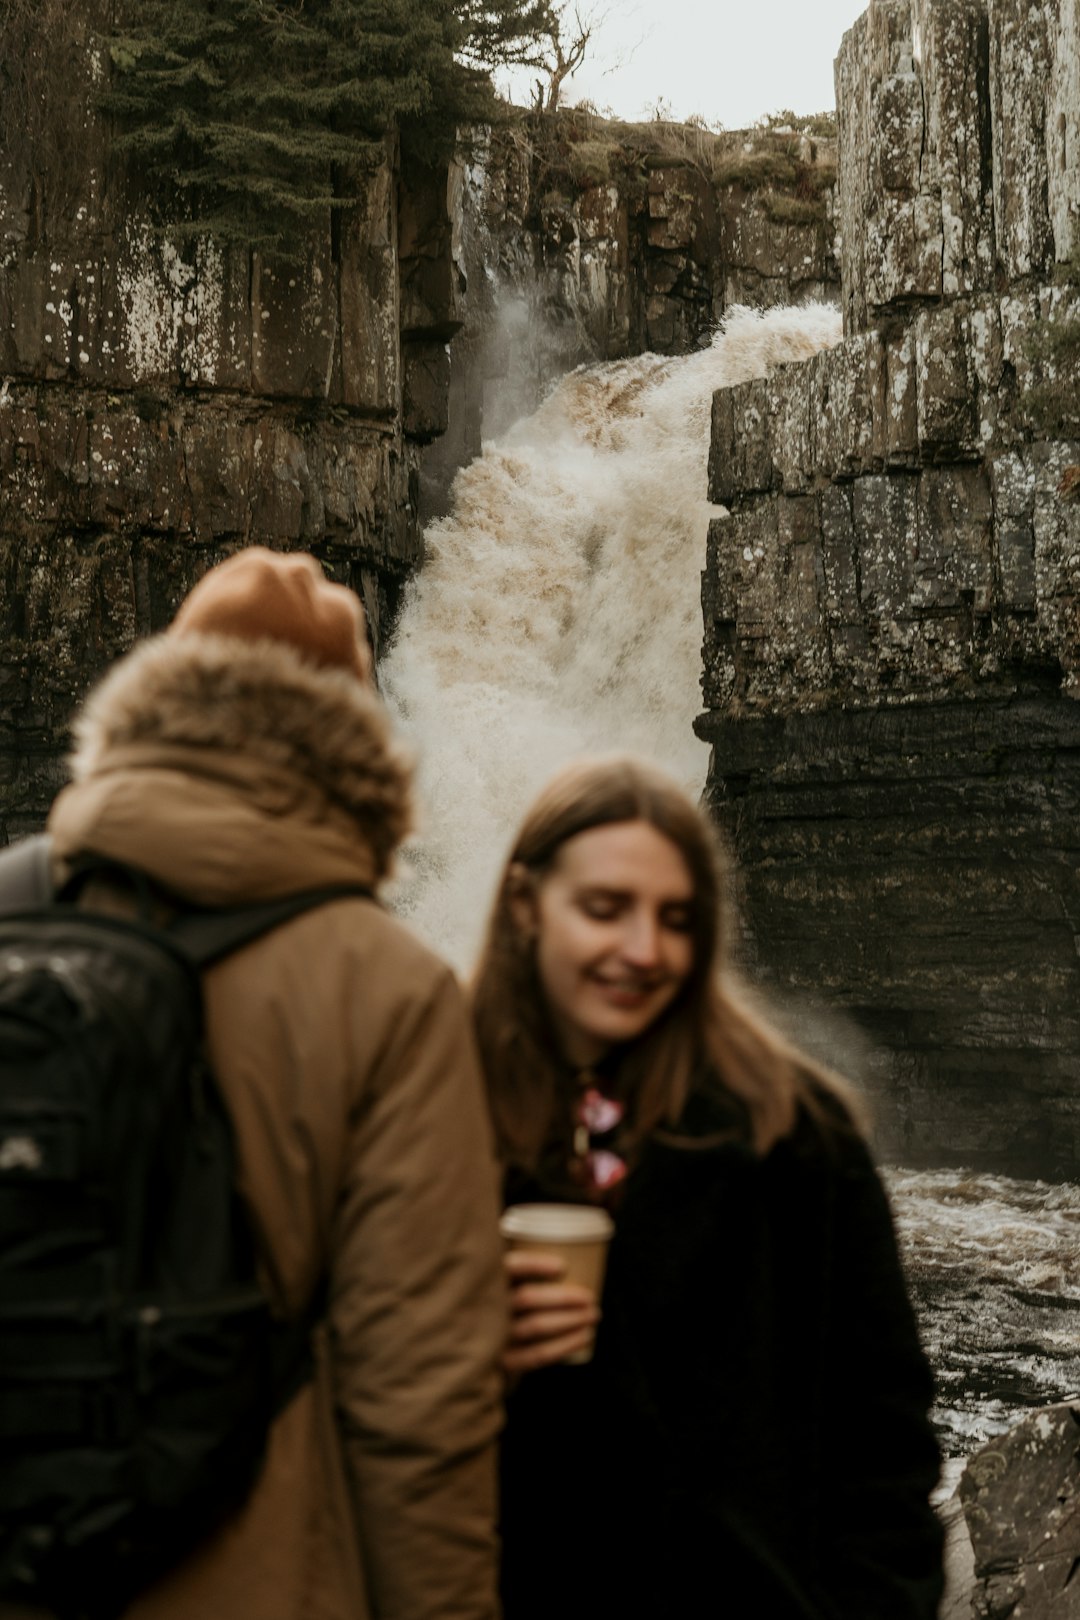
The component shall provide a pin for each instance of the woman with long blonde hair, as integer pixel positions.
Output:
(750, 1437)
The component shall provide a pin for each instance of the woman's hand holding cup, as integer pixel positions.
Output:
(555, 1260)
(550, 1319)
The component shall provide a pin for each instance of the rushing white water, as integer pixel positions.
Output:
(992, 1264)
(559, 611)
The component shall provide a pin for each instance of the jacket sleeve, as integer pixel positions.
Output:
(418, 1320)
(883, 1552)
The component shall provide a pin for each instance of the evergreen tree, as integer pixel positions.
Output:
(505, 33)
(264, 113)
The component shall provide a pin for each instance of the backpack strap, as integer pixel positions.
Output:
(204, 935)
(26, 874)
(207, 936)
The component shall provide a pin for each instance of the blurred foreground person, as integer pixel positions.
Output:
(242, 757)
(750, 1437)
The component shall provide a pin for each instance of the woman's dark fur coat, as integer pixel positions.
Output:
(751, 1440)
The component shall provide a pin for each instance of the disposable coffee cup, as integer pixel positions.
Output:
(578, 1233)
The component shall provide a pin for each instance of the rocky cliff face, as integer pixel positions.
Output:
(892, 638)
(162, 405)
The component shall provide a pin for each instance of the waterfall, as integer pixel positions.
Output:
(558, 611)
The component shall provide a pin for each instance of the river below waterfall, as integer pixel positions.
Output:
(559, 612)
(993, 1269)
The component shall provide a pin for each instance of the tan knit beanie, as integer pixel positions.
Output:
(279, 596)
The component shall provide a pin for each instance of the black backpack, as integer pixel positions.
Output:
(140, 1367)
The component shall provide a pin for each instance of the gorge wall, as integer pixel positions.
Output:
(892, 639)
(161, 405)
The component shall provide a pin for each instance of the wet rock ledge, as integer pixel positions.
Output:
(1013, 1524)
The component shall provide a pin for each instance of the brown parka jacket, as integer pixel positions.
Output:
(234, 772)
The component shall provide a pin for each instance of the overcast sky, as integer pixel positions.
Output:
(732, 63)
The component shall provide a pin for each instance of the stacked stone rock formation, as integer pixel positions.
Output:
(163, 402)
(892, 636)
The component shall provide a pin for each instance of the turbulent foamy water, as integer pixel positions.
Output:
(559, 609)
(559, 612)
(994, 1275)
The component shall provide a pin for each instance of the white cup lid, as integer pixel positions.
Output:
(557, 1223)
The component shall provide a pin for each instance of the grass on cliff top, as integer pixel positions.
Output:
(791, 161)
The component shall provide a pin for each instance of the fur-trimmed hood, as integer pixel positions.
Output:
(219, 764)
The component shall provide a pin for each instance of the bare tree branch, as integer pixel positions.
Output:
(569, 42)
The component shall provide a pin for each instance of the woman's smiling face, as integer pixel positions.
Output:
(613, 922)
